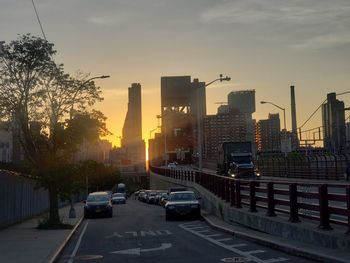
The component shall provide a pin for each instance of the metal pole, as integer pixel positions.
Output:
(199, 133)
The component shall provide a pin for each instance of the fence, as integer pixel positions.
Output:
(19, 198)
(329, 167)
(324, 203)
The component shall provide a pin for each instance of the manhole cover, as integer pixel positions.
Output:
(235, 259)
(88, 257)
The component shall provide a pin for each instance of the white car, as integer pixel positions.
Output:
(171, 165)
(118, 198)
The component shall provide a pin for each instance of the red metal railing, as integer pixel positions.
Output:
(323, 203)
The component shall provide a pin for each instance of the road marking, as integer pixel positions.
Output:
(141, 233)
(137, 251)
(224, 239)
(255, 252)
(78, 243)
(233, 248)
(214, 235)
(273, 260)
(238, 245)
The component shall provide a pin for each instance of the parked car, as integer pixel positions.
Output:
(182, 204)
(163, 199)
(141, 196)
(172, 165)
(176, 189)
(118, 198)
(98, 203)
(151, 197)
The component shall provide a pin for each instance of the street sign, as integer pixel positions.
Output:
(286, 145)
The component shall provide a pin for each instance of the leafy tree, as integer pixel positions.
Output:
(39, 98)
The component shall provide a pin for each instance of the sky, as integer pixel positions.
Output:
(266, 45)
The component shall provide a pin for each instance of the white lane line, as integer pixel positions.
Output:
(274, 260)
(228, 247)
(224, 239)
(214, 235)
(255, 252)
(238, 245)
(203, 231)
(78, 243)
(196, 227)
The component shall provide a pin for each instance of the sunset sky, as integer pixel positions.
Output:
(266, 45)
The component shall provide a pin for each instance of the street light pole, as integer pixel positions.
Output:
(199, 115)
(283, 109)
(72, 213)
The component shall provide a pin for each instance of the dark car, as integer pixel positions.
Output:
(182, 204)
(151, 198)
(98, 203)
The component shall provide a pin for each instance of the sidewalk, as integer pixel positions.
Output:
(24, 243)
(286, 245)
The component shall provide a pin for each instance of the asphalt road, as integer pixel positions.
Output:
(138, 232)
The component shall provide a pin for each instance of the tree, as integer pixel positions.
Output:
(39, 98)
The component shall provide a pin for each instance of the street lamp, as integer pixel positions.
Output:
(72, 213)
(199, 135)
(283, 109)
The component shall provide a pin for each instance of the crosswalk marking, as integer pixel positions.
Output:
(224, 239)
(255, 252)
(274, 260)
(231, 247)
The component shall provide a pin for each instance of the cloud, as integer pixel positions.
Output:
(308, 23)
(324, 41)
(285, 11)
(106, 20)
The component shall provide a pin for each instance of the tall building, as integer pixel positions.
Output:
(268, 134)
(333, 120)
(132, 129)
(233, 122)
(133, 146)
(225, 127)
(183, 108)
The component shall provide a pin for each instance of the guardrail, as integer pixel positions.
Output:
(323, 203)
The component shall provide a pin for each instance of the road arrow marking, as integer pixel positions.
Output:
(137, 251)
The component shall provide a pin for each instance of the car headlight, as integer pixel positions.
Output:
(257, 174)
(233, 175)
(194, 206)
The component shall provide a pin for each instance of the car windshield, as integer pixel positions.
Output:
(97, 198)
(242, 159)
(182, 197)
(118, 195)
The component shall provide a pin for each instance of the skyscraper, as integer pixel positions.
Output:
(132, 129)
(268, 134)
(333, 120)
(132, 143)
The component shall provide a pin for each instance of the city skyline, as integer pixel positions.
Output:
(261, 45)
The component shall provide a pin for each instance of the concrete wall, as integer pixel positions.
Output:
(20, 199)
(306, 232)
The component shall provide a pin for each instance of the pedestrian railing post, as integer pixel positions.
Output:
(293, 203)
(252, 198)
(232, 192)
(227, 188)
(238, 194)
(348, 206)
(324, 210)
(270, 200)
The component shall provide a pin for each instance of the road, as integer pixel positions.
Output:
(138, 232)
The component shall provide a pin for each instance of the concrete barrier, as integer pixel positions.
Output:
(278, 226)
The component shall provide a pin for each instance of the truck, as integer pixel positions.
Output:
(236, 160)
(122, 189)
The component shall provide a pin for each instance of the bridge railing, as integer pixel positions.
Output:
(325, 204)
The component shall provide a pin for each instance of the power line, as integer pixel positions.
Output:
(37, 16)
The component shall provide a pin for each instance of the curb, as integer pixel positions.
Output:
(58, 252)
(297, 251)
